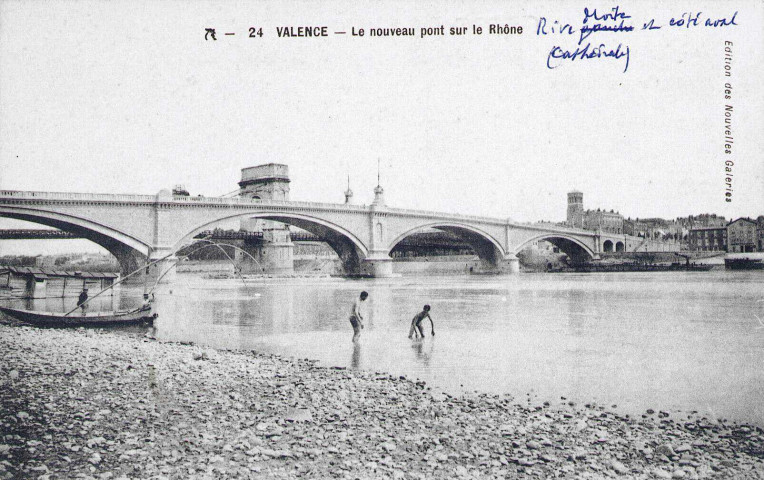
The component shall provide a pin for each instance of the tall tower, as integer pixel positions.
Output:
(576, 209)
(267, 182)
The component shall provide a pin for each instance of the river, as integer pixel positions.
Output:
(675, 341)
(672, 341)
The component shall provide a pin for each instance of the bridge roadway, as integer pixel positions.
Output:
(45, 234)
(34, 234)
(136, 227)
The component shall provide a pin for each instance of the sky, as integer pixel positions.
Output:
(128, 97)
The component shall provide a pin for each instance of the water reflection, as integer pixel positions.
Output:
(355, 360)
(672, 341)
(423, 354)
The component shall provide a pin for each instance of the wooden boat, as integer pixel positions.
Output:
(78, 319)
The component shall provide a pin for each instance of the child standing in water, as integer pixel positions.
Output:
(357, 315)
(416, 323)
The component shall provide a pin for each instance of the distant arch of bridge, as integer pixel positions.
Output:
(489, 249)
(154, 226)
(348, 247)
(576, 249)
(128, 250)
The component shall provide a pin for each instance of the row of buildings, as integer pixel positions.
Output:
(705, 232)
(738, 236)
(613, 222)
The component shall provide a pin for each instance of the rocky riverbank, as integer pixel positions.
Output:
(89, 403)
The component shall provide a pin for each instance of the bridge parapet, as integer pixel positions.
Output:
(553, 228)
(240, 201)
(96, 197)
(339, 206)
(442, 215)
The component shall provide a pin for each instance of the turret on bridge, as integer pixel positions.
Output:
(275, 254)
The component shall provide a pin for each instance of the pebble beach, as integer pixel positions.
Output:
(103, 404)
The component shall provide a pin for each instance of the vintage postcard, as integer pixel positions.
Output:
(387, 239)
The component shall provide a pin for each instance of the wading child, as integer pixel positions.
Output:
(356, 316)
(416, 323)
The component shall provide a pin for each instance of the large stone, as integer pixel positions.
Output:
(298, 415)
(661, 473)
(619, 467)
(665, 449)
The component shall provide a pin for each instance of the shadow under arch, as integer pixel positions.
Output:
(130, 252)
(347, 246)
(487, 248)
(578, 252)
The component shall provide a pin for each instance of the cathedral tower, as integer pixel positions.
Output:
(575, 209)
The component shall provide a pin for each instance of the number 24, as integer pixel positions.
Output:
(255, 32)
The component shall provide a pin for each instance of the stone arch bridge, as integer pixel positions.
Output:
(136, 227)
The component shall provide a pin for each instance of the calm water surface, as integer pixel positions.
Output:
(673, 341)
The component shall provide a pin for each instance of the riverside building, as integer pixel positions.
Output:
(708, 239)
(742, 236)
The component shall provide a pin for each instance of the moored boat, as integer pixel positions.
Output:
(744, 264)
(139, 315)
(641, 267)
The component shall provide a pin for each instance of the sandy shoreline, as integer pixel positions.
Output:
(89, 403)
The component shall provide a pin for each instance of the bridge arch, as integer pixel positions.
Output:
(488, 249)
(128, 250)
(607, 246)
(348, 247)
(578, 251)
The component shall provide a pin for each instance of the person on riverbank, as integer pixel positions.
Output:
(148, 299)
(357, 315)
(416, 330)
(82, 300)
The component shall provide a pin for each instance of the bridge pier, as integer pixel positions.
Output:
(377, 266)
(510, 264)
(264, 258)
(163, 271)
(277, 257)
(129, 260)
(506, 264)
